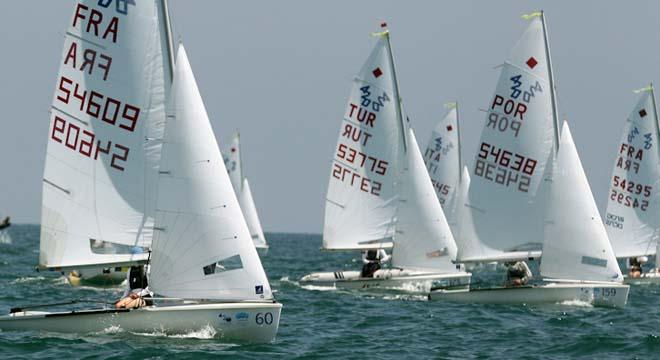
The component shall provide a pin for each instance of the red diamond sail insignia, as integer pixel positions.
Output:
(377, 72)
(450, 128)
(642, 113)
(531, 62)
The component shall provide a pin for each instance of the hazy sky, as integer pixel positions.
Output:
(280, 71)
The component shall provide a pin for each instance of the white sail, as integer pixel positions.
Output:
(457, 206)
(362, 199)
(423, 239)
(251, 216)
(442, 158)
(516, 143)
(202, 247)
(232, 158)
(633, 209)
(106, 122)
(234, 165)
(575, 245)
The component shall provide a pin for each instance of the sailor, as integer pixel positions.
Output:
(372, 260)
(635, 266)
(5, 223)
(137, 291)
(517, 274)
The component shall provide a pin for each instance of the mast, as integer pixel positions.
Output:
(240, 157)
(168, 34)
(399, 114)
(655, 113)
(458, 135)
(553, 95)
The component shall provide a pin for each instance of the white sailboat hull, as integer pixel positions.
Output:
(397, 279)
(250, 322)
(97, 276)
(598, 294)
(646, 278)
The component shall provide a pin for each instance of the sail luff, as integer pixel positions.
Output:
(551, 76)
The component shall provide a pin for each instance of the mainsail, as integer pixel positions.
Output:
(423, 239)
(633, 209)
(442, 159)
(517, 141)
(576, 245)
(234, 165)
(362, 196)
(104, 141)
(202, 247)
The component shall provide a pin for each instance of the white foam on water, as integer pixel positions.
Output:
(577, 303)
(407, 297)
(28, 279)
(205, 333)
(114, 329)
(5, 238)
(285, 279)
(318, 288)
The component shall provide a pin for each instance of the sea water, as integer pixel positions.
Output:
(320, 322)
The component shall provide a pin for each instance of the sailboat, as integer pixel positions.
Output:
(380, 195)
(205, 271)
(234, 165)
(443, 161)
(633, 209)
(104, 142)
(578, 262)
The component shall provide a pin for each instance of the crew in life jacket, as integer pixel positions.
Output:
(137, 293)
(372, 260)
(635, 266)
(518, 274)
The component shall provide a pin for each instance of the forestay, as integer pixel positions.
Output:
(202, 248)
(234, 165)
(423, 239)
(442, 160)
(575, 243)
(633, 209)
(516, 143)
(106, 124)
(362, 199)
